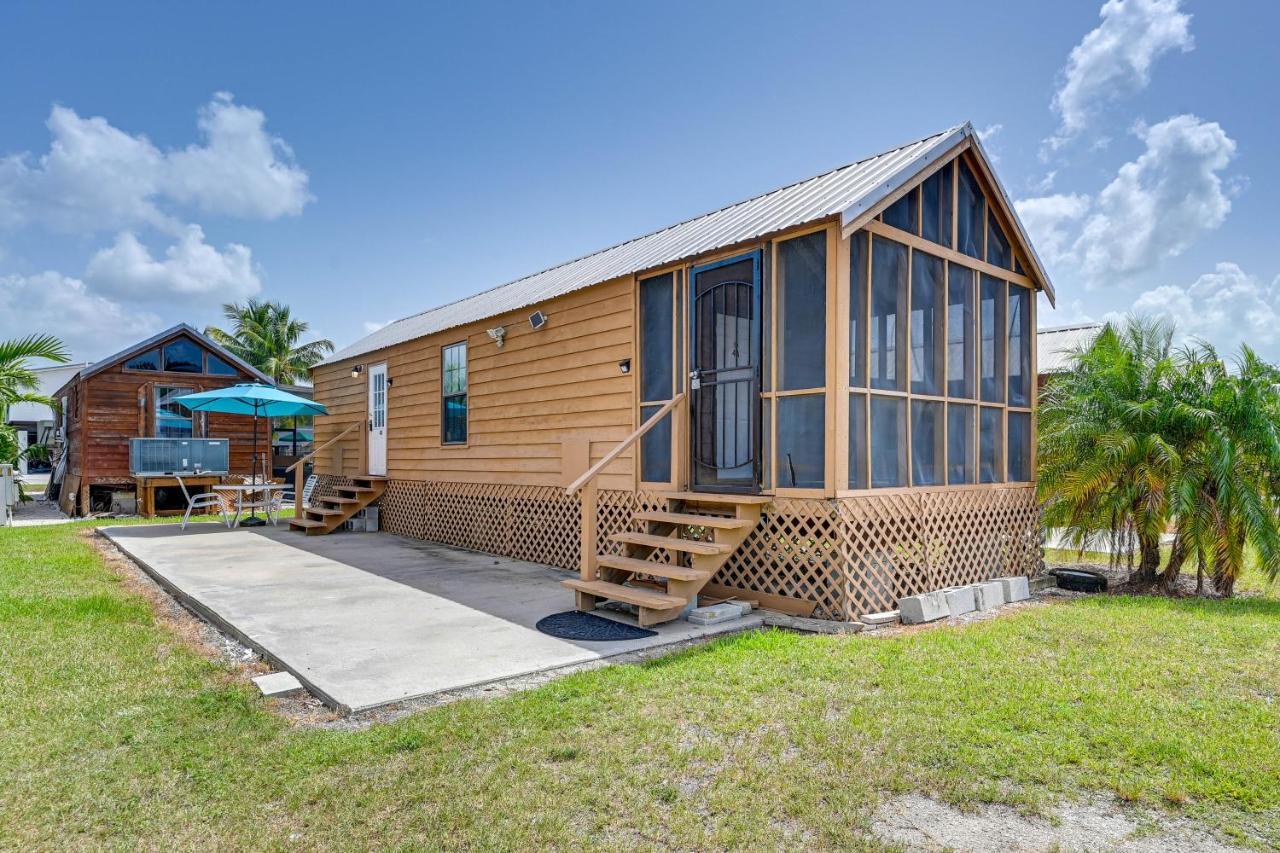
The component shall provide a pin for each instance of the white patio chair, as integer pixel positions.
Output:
(308, 489)
(204, 500)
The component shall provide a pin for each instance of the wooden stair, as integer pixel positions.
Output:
(696, 535)
(329, 513)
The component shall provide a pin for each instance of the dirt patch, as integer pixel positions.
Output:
(921, 823)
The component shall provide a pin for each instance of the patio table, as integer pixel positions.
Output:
(242, 491)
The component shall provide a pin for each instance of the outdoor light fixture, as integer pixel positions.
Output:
(625, 365)
(537, 320)
(356, 370)
(498, 334)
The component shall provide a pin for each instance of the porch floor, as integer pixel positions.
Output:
(369, 619)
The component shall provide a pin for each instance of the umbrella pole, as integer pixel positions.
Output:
(253, 520)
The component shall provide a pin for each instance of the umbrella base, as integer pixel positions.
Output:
(254, 521)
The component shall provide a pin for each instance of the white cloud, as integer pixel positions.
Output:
(92, 326)
(97, 177)
(1160, 203)
(1051, 220)
(191, 267)
(1226, 307)
(371, 326)
(1114, 60)
(990, 131)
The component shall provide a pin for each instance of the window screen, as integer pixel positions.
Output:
(454, 417)
(926, 324)
(991, 446)
(655, 448)
(960, 450)
(935, 206)
(802, 441)
(858, 273)
(802, 312)
(1019, 447)
(998, 251)
(656, 338)
(183, 356)
(857, 441)
(960, 331)
(926, 443)
(903, 212)
(888, 441)
(1019, 346)
(992, 332)
(970, 213)
(888, 314)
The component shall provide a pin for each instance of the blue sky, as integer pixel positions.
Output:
(362, 163)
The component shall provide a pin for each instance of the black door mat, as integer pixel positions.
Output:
(573, 625)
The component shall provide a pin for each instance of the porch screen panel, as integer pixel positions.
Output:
(1019, 458)
(1019, 346)
(926, 443)
(888, 441)
(961, 432)
(998, 249)
(926, 324)
(802, 312)
(801, 441)
(904, 213)
(858, 275)
(991, 322)
(970, 213)
(991, 445)
(858, 441)
(657, 373)
(888, 314)
(961, 332)
(935, 206)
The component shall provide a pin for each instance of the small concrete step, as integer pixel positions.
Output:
(631, 595)
(716, 498)
(647, 567)
(688, 546)
(685, 519)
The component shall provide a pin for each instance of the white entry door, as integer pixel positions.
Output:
(378, 419)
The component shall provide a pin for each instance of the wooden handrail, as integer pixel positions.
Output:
(595, 469)
(322, 447)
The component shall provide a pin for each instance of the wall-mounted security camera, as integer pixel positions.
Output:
(498, 334)
(537, 320)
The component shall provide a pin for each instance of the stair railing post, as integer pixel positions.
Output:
(587, 561)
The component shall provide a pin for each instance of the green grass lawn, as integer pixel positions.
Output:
(115, 733)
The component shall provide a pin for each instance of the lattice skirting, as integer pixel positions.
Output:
(848, 556)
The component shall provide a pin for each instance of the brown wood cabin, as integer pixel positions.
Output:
(820, 399)
(128, 395)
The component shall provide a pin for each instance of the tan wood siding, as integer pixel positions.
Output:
(524, 400)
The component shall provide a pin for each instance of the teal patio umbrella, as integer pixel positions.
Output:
(258, 400)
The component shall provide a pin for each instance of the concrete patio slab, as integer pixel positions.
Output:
(369, 619)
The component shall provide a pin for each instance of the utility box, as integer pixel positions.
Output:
(364, 521)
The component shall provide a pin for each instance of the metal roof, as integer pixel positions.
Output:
(828, 194)
(142, 346)
(1054, 347)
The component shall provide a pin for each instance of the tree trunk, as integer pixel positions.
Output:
(1177, 557)
(1223, 583)
(1200, 573)
(1149, 559)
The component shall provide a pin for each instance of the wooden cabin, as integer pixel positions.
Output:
(820, 399)
(129, 395)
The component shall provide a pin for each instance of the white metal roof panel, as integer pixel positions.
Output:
(1055, 346)
(810, 200)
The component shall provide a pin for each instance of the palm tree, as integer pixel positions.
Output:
(266, 336)
(1105, 460)
(18, 381)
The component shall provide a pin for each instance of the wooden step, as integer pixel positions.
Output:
(340, 501)
(631, 595)
(716, 498)
(648, 567)
(359, 490)
(326, 513)
(685, 519)
(308, 525)
(688, 546)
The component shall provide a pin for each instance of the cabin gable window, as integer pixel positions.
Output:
(453, 359)
(215, 366)
(183, 356)
(149, 360)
